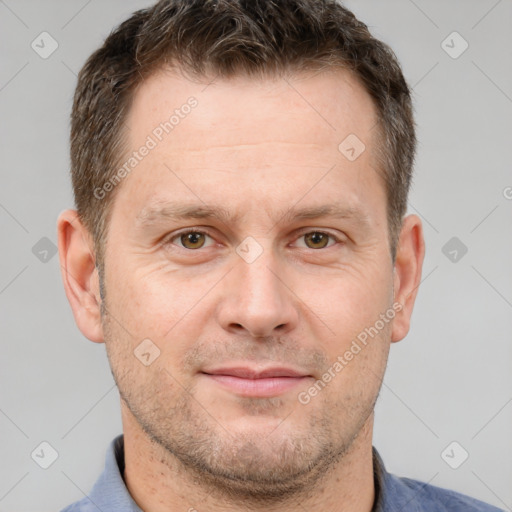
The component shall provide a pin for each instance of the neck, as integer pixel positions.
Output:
(158, 482)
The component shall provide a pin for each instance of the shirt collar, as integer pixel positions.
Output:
(109, 493)
(391, 493)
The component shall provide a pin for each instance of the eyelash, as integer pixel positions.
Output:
(200, 231)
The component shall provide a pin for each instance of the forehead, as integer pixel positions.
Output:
(233, 110)
(217, 138)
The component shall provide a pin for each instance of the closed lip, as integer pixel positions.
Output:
(246, 372)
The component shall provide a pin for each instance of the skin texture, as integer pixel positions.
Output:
(260, 151)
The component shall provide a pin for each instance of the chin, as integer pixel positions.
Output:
(258, 468)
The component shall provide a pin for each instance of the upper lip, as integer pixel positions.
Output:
(246, 372)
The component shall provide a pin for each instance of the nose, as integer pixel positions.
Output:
(257, 300)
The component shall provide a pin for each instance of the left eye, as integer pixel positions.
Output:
(317, 239)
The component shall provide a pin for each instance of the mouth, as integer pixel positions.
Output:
(250, 382)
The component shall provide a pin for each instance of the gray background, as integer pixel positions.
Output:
(450, 380)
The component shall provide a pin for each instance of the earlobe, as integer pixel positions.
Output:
(407, 273)
(79, 274)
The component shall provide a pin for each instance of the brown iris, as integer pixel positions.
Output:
(192, 240)
(318, 240)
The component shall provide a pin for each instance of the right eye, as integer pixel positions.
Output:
(191, 239)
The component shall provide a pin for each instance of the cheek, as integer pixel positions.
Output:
(156, 303)
(348, 301)
(169, 310)
(357, 368)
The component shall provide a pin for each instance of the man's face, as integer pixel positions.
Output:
(249, 308)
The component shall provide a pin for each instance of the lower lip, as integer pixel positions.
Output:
(264, 388)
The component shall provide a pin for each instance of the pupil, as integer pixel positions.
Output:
(318, 238)
(192, 239)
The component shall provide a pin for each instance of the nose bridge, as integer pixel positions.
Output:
(260, 279)
(259, 301)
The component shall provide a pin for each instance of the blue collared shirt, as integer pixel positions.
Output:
(393, 494)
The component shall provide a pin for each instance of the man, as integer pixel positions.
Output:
(240, 245)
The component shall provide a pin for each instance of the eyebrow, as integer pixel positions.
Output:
(172, 211)
(175, 211)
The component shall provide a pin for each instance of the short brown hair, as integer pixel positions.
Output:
(223, 38)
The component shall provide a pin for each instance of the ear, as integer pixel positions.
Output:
(79, 273)
(407, 273)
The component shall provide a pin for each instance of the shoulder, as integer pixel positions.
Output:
(432, 498)
(400, 493)
(84, 505)
(109, 493)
